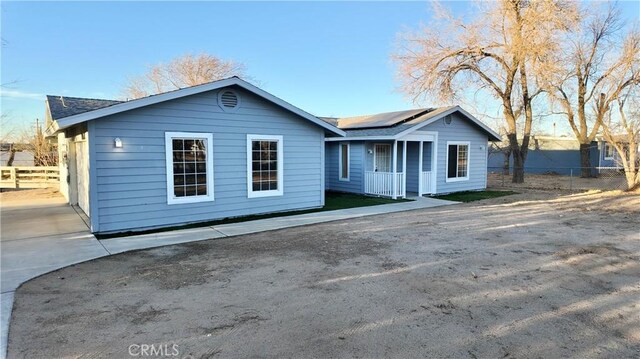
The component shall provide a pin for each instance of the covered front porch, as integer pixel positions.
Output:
(395, 168)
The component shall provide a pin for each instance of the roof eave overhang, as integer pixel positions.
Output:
(69, 121)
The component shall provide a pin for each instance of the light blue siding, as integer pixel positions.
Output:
(130, 182)
(355, 184)
(547, 161)
(461, 129)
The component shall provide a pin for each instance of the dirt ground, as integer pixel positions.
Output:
(533, 275)
(610, 180)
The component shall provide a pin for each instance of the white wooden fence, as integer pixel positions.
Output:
(381, 184)
(425, 183)
(29, 177)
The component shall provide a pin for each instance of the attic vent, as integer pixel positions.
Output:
(447, 119)
(228, 100)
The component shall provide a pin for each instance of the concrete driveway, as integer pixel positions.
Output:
(38, 235)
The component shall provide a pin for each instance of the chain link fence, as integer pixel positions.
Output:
(560, 178)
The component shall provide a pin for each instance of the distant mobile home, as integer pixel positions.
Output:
(228, 149)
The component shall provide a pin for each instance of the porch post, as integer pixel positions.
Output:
(394, 162)
(420, 169)
(404, 169)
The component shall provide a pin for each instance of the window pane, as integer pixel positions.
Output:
(462, 160)
(189, 167)
(345, 161)
(178, 180)
(452, 164)
(190, 190)
(264, 166)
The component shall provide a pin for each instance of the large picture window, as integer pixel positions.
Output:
(264, 165)
(457, 161)
(189, 160)
(343, 166)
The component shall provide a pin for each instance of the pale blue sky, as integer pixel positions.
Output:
(328, 58)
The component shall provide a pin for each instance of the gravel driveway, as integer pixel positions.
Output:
(525, 276)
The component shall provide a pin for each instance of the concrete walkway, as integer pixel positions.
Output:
(41, 236)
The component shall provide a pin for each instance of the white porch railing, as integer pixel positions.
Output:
(425, 183)
(381, 184)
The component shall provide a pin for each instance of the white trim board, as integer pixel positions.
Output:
(168, 140)
(280, 158)
(446, 165)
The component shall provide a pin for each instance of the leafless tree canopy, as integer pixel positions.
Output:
(187, 70)
(591, 73)
(501, 50)
(621, 129)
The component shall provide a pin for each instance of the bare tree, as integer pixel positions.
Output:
(585, 81)
(34, 141)
(184, 71)
(501, 50)
(621, 129)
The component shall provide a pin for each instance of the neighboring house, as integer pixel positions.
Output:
(609, 158)
(548, 154)
(207, 152)
(422, 151)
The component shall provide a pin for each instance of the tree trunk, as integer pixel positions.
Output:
(12, 155)
(585, 160)
(505, 164)
(519, 154)
(518, 167)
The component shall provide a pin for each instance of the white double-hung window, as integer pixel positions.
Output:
(264, 166)
(189, 158)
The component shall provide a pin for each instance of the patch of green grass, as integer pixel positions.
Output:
(332, 201)
(470, 196)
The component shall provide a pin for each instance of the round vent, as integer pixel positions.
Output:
(228, 100)
(447, 120)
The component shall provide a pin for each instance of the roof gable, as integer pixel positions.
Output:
(118, 107)
(401, 123)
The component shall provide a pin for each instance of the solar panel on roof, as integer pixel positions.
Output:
(379, 120)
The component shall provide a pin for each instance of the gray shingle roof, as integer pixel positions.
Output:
(63, 106)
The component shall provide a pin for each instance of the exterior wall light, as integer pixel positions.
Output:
(117, 142)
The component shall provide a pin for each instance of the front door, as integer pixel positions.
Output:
(382, 158)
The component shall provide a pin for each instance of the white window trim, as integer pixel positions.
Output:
(446, 172)
(604, 150)
(348, 161)
(171, 198)
(280, 191)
